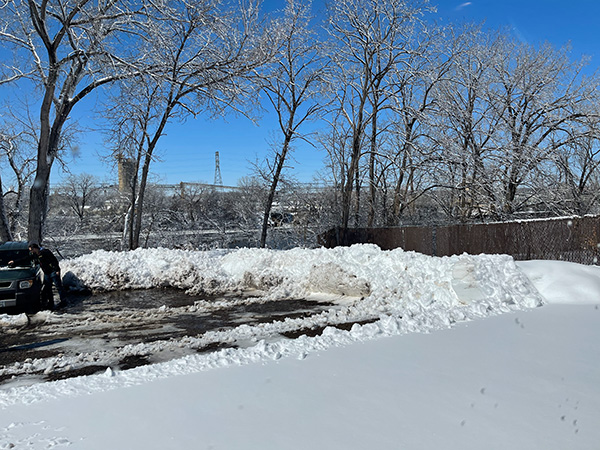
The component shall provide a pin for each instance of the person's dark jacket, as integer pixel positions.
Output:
(46, 260)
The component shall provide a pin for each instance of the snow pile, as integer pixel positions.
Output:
(424, 292)
(398, 292)
(388, 279)
(583, 286)
(18, 321)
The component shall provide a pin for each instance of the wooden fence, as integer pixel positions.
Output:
(575, 239)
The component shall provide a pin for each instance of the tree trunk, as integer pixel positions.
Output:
(125, 237)
(399, 200)
(400, 194)
(273, 189)
(128, 233)
(357, 202)
(129, 218)
(38, 203)
(140, 203)
(14, 217)
(372, 183)
(38, 196)
(351, 173)
(510, 191)
(5, 233)
(48, 145)
(139, 207)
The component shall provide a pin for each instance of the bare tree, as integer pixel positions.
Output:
(67, 50)
(540, 93)
(189, 203)
(414, 102)
(80, 191)
(466, 126)
(5, 233)
(14, 150)
(372, 38)
(507, 110)
(204, 55)
(578, 163)
(290, 87)
(334, 142)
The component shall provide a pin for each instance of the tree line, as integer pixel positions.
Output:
(472, 122)
(85, 213)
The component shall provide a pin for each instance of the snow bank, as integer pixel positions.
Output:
(357, 271)
(548, 277)
(400, 291)
(426, 292)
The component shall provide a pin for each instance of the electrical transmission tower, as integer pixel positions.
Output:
(218, 179)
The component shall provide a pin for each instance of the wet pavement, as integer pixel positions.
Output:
(115, 319)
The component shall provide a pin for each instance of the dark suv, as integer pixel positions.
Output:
(19, 286)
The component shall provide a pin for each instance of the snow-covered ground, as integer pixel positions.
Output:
(468, 352)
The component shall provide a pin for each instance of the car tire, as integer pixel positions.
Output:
(34, 308)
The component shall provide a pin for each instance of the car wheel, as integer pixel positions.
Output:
(34, 307)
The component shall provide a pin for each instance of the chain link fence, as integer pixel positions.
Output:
(575, 239)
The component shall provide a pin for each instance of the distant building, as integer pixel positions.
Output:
(127, 170)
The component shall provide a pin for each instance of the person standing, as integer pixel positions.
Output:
(49, 265)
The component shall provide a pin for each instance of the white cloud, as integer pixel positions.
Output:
(463, 5)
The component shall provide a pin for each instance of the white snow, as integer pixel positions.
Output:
(549, 277)
(468, 352)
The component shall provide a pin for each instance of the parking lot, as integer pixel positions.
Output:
(126, 329)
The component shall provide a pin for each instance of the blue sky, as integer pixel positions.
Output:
(188, 150)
